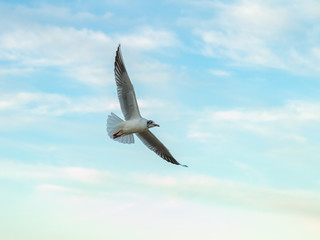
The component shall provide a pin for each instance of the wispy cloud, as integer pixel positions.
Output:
(39, 104)
(198, 188)
(210, 189)
(82, 54)
(53, 104)
(270, 34)
(48, 13)
(58, 188)
(220, 73)
(147, 38)
(201, 136)
(16, 170)
(286, 120)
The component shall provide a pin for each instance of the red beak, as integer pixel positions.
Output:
(156, 125)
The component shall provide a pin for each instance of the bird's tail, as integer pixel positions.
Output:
(113, 128)
(113, 124)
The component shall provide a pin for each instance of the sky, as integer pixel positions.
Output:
(234, 86)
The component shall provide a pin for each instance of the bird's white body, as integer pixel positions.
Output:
(133, 126)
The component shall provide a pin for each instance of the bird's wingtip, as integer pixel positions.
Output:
(183, 165)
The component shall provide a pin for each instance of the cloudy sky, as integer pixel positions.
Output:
(234, 85)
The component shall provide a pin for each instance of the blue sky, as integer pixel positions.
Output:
(233, 84)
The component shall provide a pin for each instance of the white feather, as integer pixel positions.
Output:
(114, 125)
(127, 139)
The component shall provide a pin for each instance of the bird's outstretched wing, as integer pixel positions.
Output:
(126, 95)
(153, 143)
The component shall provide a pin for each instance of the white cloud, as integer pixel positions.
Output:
(22, 171)
(54, 104)
(16, 71)
(85, 175)
(198, 188)
(23, 110)
(292, 122)
(147, 38)
(47, 13)
(200, 136)
(271, 34)
(58, 188)
(292, 110)
(210, 190)
(47, 104)
(82, 54)
(219, 73)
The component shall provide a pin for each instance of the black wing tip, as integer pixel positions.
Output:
(179, 164)
(118, 53)
(118, 62)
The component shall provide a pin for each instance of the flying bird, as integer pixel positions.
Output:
(122, 131)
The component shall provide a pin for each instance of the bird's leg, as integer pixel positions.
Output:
(116, 135)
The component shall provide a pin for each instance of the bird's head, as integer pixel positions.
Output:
(151, 124)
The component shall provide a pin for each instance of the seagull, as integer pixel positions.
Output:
(122, 131)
